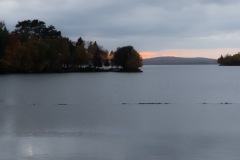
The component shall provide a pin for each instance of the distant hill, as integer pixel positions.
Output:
(178, 61)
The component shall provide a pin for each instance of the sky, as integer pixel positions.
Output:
(183, 28)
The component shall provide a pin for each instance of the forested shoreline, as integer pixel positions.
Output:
(229, 60)
(34, 47)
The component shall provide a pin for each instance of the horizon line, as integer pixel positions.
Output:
(189, 53)
(178, 57)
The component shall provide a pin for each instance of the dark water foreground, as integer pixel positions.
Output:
(108, 116)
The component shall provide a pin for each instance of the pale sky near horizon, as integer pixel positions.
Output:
(196, 28)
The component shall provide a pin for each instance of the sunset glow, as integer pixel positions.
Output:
(207, 53)
(148, 54)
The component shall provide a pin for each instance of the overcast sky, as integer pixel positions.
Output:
(188, 28)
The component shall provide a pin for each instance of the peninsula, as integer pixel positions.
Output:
(34, 47)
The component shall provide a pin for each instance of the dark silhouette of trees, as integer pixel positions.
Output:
(106, 62)
(127, 58)
(229, 60)
(80, 41)
(35, 28)
(82, 56)
(4, 38)
(48, 55)
(97, 54)
(33, 47)
(58, 54)
(220, 60)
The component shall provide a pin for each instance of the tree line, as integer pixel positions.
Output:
(34, 47)
(229, 60)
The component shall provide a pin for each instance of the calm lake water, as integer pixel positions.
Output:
(97, 116)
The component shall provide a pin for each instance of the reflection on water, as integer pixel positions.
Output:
(122, 132)
(82, 116)
(139, 147)
(29, 151)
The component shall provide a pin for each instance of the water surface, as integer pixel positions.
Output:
(97, 116)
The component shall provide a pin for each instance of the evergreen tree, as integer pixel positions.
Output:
(80, 41)
(4, 38)
(93, 54)
(220, 60)
(82, 55)
(97, 60)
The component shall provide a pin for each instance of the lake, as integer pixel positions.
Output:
(165, 113)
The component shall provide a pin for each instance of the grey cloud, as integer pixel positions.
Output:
(150, 25)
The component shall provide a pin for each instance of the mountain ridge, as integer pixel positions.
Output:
(179, 61)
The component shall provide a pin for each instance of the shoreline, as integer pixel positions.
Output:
(82, 70)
